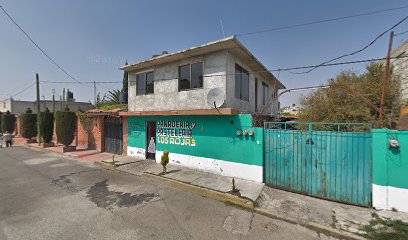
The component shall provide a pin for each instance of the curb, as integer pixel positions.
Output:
(205, 192)
(313, 226)
(226, 198)
(247, 204)
(81, 156)
(107, 166)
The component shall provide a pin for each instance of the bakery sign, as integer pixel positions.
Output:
(176, 133)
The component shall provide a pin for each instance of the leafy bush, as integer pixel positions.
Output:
(47, 125)
(164, 160)
(29, 124)
(8, 122)
(65, 126)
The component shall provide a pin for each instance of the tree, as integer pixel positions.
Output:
(8, 122)
(353, 98)
(125, 86)
(29, 124)
(47, 125)
(114, 97)
(65, 126)
(100, 101)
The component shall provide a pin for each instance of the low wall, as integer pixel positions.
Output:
(90, 134)
(390, 170)
(208, 143)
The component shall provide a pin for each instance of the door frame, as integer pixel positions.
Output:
(148, 124)
(103, 137)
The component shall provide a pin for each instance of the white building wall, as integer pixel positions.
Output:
(19, 107)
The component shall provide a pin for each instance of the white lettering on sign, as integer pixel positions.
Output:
(176, 133)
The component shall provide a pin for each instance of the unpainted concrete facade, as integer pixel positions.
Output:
(166, 94)
(401, 68)
(219, 72)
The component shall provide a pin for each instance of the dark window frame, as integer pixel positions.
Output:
(238, 78)
(256, 94)
(190, 76)
(146, 92)
(265, 98)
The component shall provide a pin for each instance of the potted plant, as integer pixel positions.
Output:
(164, 160)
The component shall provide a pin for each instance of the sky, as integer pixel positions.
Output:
(92, 39)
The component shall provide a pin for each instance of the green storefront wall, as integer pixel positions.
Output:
(390, 165)
(215, 137)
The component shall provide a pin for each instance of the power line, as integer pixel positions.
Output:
(400, 33)
(21, 91)
(39, 48)
(357, 51)
(270, 70)
(322, 21)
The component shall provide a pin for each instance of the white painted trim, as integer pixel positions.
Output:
(388, 197)
(226, 168)
(136, 152)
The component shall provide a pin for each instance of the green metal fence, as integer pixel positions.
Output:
(326, 160)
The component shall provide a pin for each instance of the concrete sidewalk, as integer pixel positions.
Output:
(332, 218)
(246, 189)
(86, 155)
(306, 210)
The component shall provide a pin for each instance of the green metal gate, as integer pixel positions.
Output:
(325, 160)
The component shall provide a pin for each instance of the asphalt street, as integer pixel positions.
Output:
(47, 196)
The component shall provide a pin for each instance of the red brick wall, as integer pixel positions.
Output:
(17, 131)
(92, 137)
(125, 135)
(54, 136)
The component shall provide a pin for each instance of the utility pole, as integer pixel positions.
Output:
(63, 98)
(45, 104)
(53, 100)
(60, 103)
(37, 82)
(94, 92)
(385, 80)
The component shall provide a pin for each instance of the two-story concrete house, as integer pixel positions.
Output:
(169, 108)
(401, 68)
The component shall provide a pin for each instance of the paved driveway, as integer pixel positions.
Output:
(47, 196)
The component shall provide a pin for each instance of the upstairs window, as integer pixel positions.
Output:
(241, 83)
(144, 83)
(191, 76)
(265, 93)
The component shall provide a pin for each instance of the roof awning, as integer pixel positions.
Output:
(218, 111)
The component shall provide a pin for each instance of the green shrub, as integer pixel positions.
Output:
(47, 125)
(65, 126)
(28, 124)
(8, 122)
(164, 160)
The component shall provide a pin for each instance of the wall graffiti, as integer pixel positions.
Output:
(135, 129)
(176, 132)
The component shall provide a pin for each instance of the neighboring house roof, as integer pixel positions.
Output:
(400, 49)
(230, 43)
(103, 112)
